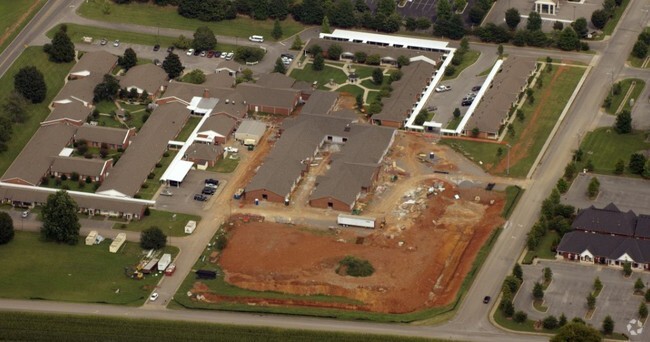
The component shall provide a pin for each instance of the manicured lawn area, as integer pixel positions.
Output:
(454, 122)
(638, 62)
(109, 121)
(543, 250)
(323, 77)
(150, 187)
(483, 153)
(70, 185)
(12, 17)
(54, 75)
(172, 224)
(470, 58)
(363, 71)
(625, 86)
(225, 165)
(513, 194)
(352, 89)
(372, 96)
(371, 85)
(106, 107)
(613, 21)
(80, 273)
(605, 147)
(157, 16)
(53, 327)
(190, 125)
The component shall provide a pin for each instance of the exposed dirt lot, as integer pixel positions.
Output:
(417, 265)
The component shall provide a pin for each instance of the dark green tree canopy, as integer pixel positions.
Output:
(15, 107)
(599, 18)
(61, 50)
(208, 10)
(128, 60)
(279, 66)
(107, 90)
(277, 30)
(173, 66)
(568, 39)
(204, 39)
(534, 21)
(312, 12)
(577, 332)
(512, 18)
(153, 238)
(60, 220)
(580, 26)
(387, 7)
(342, 14)
(6, 228)
(30, 83)
(623, 123)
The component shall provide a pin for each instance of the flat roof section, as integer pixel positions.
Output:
(391, 40)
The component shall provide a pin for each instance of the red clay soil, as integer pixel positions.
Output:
(426, 271)
(521, 149)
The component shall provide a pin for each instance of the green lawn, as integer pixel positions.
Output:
(190, 125)
(363, 71)
(70, 185)
(454, 122)
(612, 22)
(106, 107)
(371, 85)
(513, 194)
(372, 96)
(483, 153)
(80, 273)
(323, 77)
(54, 76)
(352, 89)
(470, 58)
(625, 86)
(11, 18)
(605, 147)
(543, 250)
(172, 224)
(152, 15)
(109, 121)
(638, 62)
(225, 165)
(150, 187)
(54, 327)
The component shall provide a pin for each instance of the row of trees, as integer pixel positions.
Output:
(640, 49)
(600, 17)
(565, 38)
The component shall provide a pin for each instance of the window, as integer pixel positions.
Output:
(265, 196)
(330, 205)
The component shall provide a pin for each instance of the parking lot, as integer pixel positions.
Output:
(571, 284)
(412, 8)
(626, 193)
(566, 12)
(182, 198)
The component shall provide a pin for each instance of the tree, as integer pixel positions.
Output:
(537, 38)
(609, 6)
(403, 61)
(334, 52)
(182, 42)
(627, 269)
(6, 228)
(359, 101)
(204, 39)
(619, 167)
(608, 325)
(548, 274)
(377, 76)
(279, 66)
(561, 321)
(410, 24)
(519, 38)
(647, 295)
(643, 310)
(593, 188)
(475, 132)
(476, 14)
(387, 7)
(507, 307)
(342, 14)
(580, 26)
(598, 285)
(623, 124)
(534, 21)
(107, 90)
(207, 10)
(577, 332)
(456, 29)
(456, 112)
(60, 220)
(421, 118)
(513, 18)
(637, 163)
(638, 285)
(325, 26)
(549, 322)
(570, 170)
(173, 66)
(319, 63)
(599, 18)
(520, 317)
(558, 26)
(568, 39)
(30, 83)
(61, 49)
(640, 49)
(423, 23)
(538, 291)
(360, 57)
(590, 165)
(591, 301)
(278, 9)
(297, 43)
(195, 76)
(15, 108)
(277, 30)
(361, 6)
(562, 186)
(128, 60)
(153, 238)
(500, 50)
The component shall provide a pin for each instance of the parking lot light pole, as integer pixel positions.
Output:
(508, 160)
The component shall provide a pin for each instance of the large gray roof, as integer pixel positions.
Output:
(74, 111)
(252, 127)
(95, 62)
(109, 135)
(79, 90)
(219, 123)
(275, 80)
(608, 246)
(273, 97)
(82, 166)
(609, 220)
(320, 102)
(145, 76)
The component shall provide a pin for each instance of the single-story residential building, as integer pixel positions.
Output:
(145, 77)
(114, 138)
(269, 100)
(73, 113)
(204, 154)
(216, 129)
(230, 68)
(93, 63)
(250, 130)
(96, 169)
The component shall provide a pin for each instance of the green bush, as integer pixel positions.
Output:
(356, 267)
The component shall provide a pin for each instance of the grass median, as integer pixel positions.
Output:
(604, 147)
(323, 77)
(14, 16)
(172, 224)
(469, 58)
(639, 84)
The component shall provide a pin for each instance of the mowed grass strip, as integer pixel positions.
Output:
(47, 270)
(323, 77)
(172, 224)
(54, 77)
(148, 14)
(604, 147)
(625, 87)
(21, 326)
(638, 62)
(470, 58)
(13, 18)
(151, 185)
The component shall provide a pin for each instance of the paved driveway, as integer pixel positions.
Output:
(626, 193)
(182, 200)
(571, 284)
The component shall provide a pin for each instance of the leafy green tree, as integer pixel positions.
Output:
(513, 18)
(153, 238)
(549, 322)
(608, 325)
(476, 14)
(423, 23)
(107, 90)
(456, 28)
(590, 166)
(643, 310)
(609, 6)
(279, 9)
(638, 285)
(356, 267)
(520, 317)
(577, 332)
(30, 83)
(623, 124)
(548, 274)
(279, 66)
(297, 43)
(182, 42)
(325, 25)
(568, 39)
(360, 57)
(598, 285)
(128, 60)
(619, 167)
(570, 170)
(277, 30)
(6, 228)
(421, 117)
(60, 220)
(248, 54)
(599, 18)
(637, 163)
(538, 291)
(207, 10)
(562, 186)
(334, 52)
(373, 59)
(342, 14)
(537, 38)
(593, 188)
(387, 7)
(260, 10)
(507, 307)
(456, 112)
(319, 63)
(359, 101)
(15, 108)
(562, 320)
(410, 24)
(377, 76)
(627, 269)
(581, 27)
(500, 50)
(195, 76)
(519, 38)
(173, 66)
(640, 49)
(361, 6)
(591, 301)
(61, 49)
(222, 242)
(558, 25)
(534, 21)
(204, 39)
(511, 283)
(403, 61)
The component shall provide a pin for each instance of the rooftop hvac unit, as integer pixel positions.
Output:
(227, 101)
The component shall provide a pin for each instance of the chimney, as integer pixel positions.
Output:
(347, 128)
(206, 93)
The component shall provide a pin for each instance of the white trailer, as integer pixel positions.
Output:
(164, 261)
(356, 221)
(190, 226)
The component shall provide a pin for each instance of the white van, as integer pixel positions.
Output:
(256, 39)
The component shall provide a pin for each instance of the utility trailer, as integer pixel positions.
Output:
(356, 221)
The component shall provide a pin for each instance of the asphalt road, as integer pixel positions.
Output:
(471, 322)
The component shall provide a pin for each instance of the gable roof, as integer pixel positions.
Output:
(79, 90)
(252, 127)
(94, 62)
(203, 151)
(148, 77)
(609, 220)
(218, 123)
(82, 166)
(608, 246)
(275, 80)
(320, 102)
(219, 80)
(272, 97)
(73, 111)
(109, 135)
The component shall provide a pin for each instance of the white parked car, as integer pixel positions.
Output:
(230, 55)
(442, 88)
(116, 43)
(190, 52)
(153, 296)
(231, 149)
(24, 214)
(224, 54)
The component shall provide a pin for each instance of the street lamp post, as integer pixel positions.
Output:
(508, 160)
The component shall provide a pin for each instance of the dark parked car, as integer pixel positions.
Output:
(200, 198)
(170, 49)
(476, 88)
(156, 47)
(210, 54)
(197, 52)
(211, 181)
(208, 191)
(486, 299)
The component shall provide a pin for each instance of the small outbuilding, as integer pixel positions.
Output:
(250, 129)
